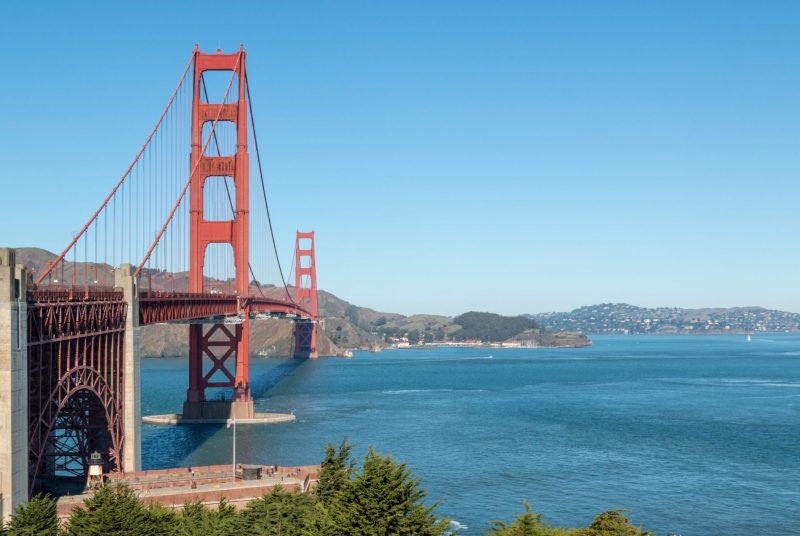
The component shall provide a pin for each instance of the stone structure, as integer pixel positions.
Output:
(132, 378)
(13, 385)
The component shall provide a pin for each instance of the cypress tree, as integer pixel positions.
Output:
(524, 524)
(197, 520)
(383, 499)
(335, 473)
(34, 518)
(161, 518)
(118, 511)
(613, 523)
(278, 513)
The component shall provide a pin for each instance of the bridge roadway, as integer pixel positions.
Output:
(80, 309)
(73, 353)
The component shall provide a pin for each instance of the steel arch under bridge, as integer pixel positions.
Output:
(76, 346)
(75, 381)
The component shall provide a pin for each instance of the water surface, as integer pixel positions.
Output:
(695, 435)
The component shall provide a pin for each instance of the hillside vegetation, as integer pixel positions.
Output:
(625, 318)
(490, 327)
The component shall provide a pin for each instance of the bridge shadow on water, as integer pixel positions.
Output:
(261, 385)
(169, 446)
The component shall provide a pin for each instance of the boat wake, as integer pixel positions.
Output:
(457, 526)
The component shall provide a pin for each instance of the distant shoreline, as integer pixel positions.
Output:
(754, 334)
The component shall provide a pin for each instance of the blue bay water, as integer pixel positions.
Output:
(695, 435)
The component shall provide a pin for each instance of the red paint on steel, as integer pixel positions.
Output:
(75, 389)
(76, 334)
(194, 172)
(235, 232)
(305, 294)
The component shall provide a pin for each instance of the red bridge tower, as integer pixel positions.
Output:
(221, 342)
(305, 295)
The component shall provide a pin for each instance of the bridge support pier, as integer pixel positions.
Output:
(132, 379)
(13, 385)
(305, 339)
(216, 346)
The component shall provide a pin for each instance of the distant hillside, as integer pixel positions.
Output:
(344, 325)
(365, 328)
(625, 318)
(490, 327)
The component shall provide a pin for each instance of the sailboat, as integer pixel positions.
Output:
(749, 338)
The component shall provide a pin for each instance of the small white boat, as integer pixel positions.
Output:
(749, 338)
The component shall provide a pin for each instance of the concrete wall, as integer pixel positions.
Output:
(13, 385)
(132, 382)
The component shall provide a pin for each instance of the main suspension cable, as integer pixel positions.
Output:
(263, 188)
(120, 182)
(191, 174)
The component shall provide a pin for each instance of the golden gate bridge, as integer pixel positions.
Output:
(178, 239)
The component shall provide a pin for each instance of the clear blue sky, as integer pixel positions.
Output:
(504, 156)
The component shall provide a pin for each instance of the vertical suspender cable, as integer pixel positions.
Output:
(263, 188)
(227, 190)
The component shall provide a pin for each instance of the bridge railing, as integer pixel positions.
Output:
(54, 293)
(161, 306)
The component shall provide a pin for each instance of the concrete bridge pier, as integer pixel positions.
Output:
(13, 384)
(132, 378)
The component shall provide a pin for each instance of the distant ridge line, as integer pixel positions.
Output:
(630, 319)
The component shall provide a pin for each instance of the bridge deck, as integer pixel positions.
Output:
(156, 307)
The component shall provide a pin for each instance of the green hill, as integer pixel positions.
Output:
(490, 327)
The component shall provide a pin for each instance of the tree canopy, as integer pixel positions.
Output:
(379, 497)
(610, 523)
(490, 327)
(36, 517)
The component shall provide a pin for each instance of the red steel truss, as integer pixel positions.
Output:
(160, 307)
(305, 295)
(234, 232)
(75, 355)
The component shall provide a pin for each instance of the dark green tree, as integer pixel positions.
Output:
(161, 518)
(197, 520)
(413, 336)
(277, 513)
(524, 524)
(34, 518)
(490, 327)
(117, 511)
(335, 472)
(383, 499)
(613, 523)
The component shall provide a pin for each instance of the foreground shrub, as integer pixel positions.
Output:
(277, 513)
(383, 498)
(524, 524)
(197, 520)
(117, 511)
(378, 498)
(36, 517)
(611, 523)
